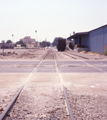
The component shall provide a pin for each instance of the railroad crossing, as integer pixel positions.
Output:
(60, 85)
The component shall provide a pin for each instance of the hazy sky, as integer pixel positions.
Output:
(51, 18)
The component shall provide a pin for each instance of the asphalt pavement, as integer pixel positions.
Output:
(48, 66)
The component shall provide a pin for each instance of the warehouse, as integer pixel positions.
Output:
(95, 40)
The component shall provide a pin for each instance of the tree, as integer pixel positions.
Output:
(9, 41)
(48, 43)
(21, 43)
(45, 43)
(55, 42)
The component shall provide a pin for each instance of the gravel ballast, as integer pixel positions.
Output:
(40, 99)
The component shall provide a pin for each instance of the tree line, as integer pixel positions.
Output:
(42, 44)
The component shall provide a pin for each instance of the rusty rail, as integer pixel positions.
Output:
(16, 96)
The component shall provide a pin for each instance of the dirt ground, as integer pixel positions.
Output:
(10, 82)
(22, 54)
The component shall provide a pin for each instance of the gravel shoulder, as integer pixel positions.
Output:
(10, 83)
(87, 94)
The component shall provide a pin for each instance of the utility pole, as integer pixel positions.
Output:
(12, 37)
(37, 38)
(36, 34)
(3, 47)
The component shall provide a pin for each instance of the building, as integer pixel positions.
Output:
(95, 40)
(29, 42)
(7, 46)
(31, 45)
(18, 46)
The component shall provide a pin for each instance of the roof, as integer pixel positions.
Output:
(99, 27)
(77, 35)
(80, 34)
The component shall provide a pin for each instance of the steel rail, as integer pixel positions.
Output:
(69, 55)
(63, 89)
(17, 94)
(78, 56)
(91, 65)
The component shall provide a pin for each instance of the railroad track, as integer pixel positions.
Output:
(63, 89)
(74, 56)
(78, 55)
(70, 55)
(49, 55)
(18, 93)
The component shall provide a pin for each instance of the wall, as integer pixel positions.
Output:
(85, 41)
(105, 36)
(30, 45)
(96, 40)
(27, 40)
(76, 41)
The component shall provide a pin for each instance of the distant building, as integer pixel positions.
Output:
(18, 46)
(30, 43)
(27, 40)
(95, 40)
(7, 46)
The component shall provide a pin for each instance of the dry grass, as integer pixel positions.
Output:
(95, 52)
(22, 53)
(83, 52)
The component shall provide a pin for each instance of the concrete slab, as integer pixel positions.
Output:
(104, 68)
(48, 63)
(70, 62)
(16, 69)
(79, 70)
(18, 62)
(46, 70)
(95, 62)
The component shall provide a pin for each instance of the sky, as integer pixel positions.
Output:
(50, 18)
